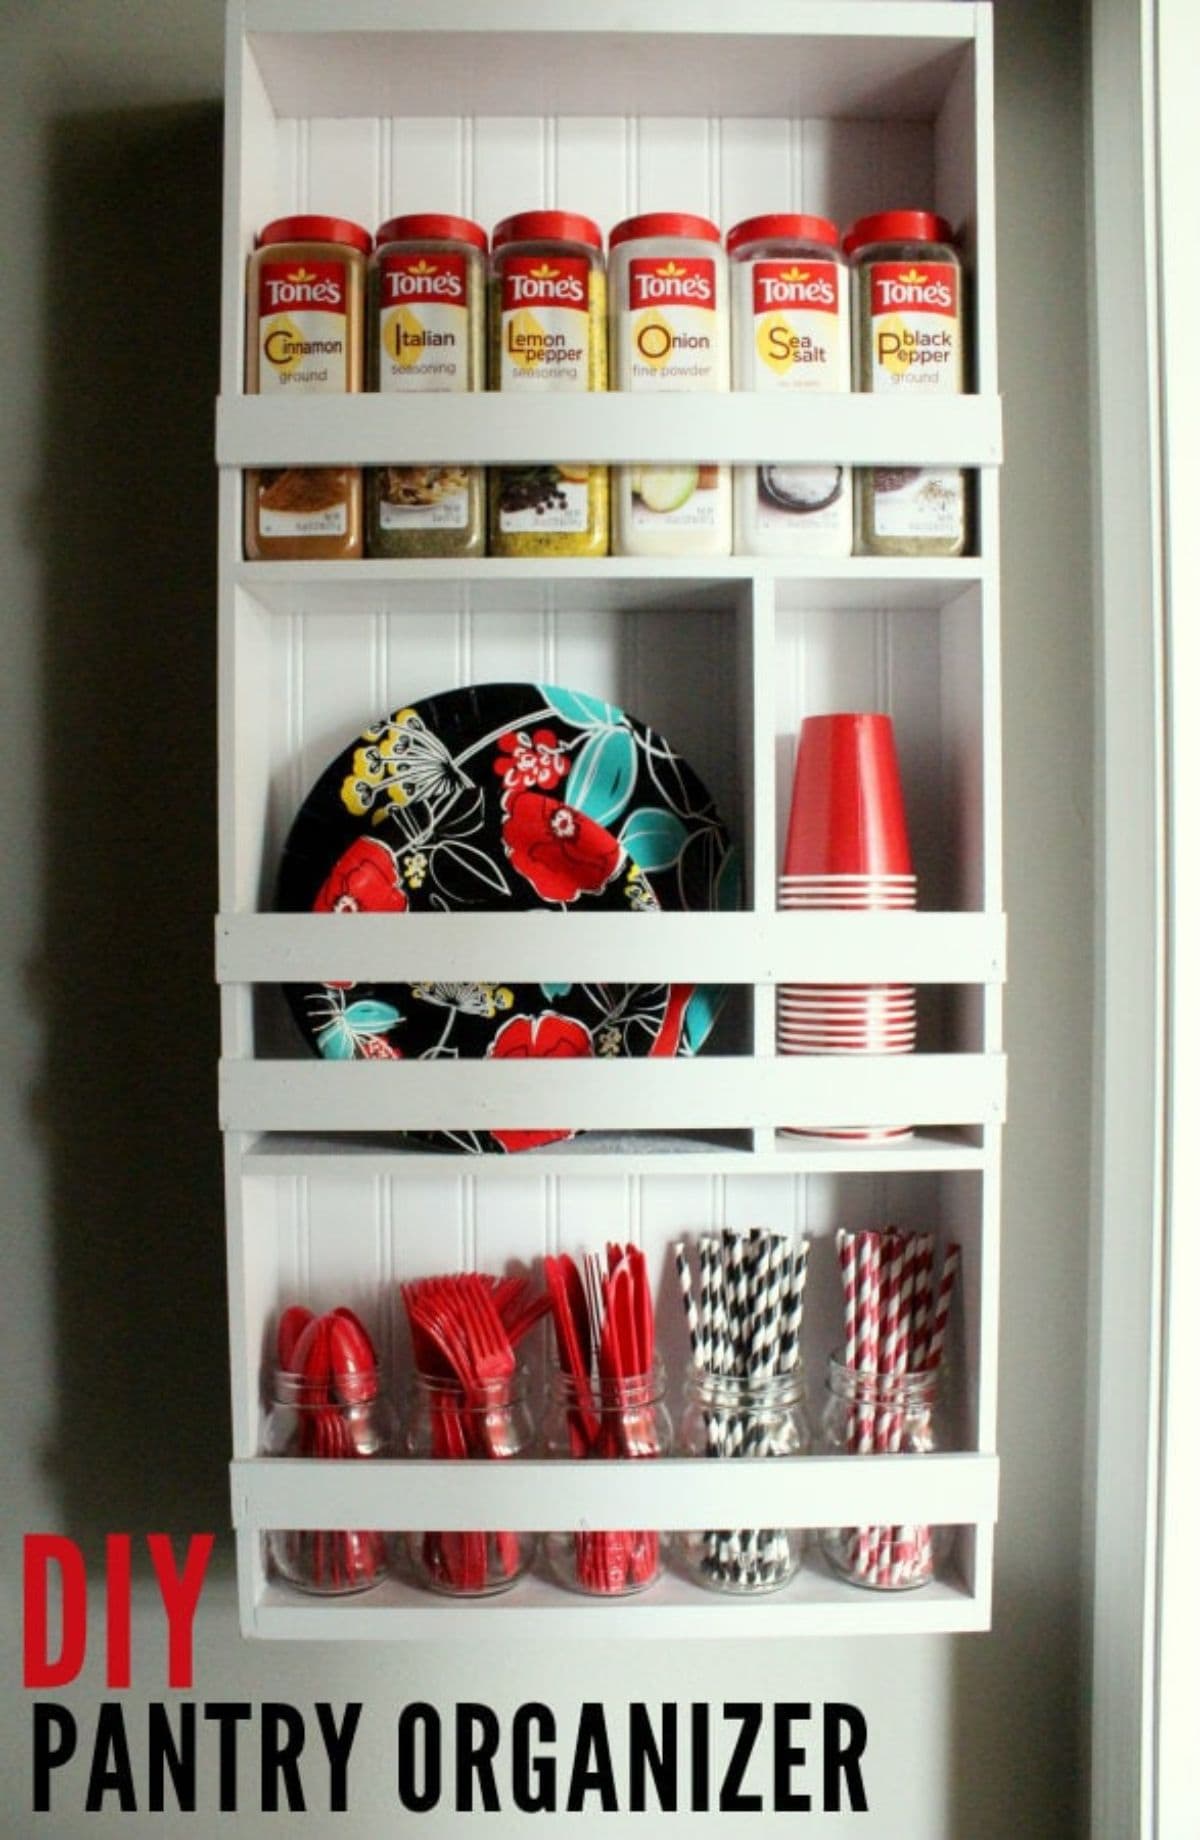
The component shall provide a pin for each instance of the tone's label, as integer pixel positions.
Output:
(549, 499)
(915, 338)
(544, 323)
(799, 341)
(302, 328)
(423, 321)
(918, 502)
(308, 501)
(673, 339)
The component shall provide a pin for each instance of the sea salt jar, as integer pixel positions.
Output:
(791, 332)
(669, 331)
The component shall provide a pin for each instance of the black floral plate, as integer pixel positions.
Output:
(506, 797)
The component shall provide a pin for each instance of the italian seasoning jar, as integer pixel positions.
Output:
(426, 297)
(547, 334)
(304, 318)
(791, 332)
(670, 331)
(908, 341)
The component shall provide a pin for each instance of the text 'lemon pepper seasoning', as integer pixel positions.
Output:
(547, 334)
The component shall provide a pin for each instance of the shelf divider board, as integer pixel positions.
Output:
(492, 429)
(946, 1489)
(759, 947)
(708, 1092)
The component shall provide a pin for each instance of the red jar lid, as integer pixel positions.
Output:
(664, 223)
(547, 227)
(898, 227)
(431, 226)
(778, 226)
(310, 229)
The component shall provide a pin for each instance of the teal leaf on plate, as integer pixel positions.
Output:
(336, 1043)
(729, 882)
(368, 1017)
(653, 838)
(550, 991)
(603, 776)
(579, 710)
(700, 1014)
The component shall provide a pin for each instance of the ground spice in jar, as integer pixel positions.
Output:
(908, 339)
(546, 325)
(670, 331)
(304, 312)
(426, 293)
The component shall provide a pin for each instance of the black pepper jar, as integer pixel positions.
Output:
(426, 315)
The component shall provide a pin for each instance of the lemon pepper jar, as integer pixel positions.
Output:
(908, 343)
(426, 294)
(670, 331)
(791, 333)
(305, 289)
(546, 335)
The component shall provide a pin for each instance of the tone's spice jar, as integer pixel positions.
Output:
(547, 333)
(670, 331)
(908, 339)
(426, 296)
(304, 313)
(791, 331)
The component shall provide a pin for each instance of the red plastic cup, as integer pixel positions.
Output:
(847, 812)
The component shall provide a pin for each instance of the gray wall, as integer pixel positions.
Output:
(114, 1352)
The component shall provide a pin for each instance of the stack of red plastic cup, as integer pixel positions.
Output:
(847, 848)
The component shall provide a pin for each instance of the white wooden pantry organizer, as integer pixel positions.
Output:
(363, 108)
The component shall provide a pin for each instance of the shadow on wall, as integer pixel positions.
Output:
(129, 742)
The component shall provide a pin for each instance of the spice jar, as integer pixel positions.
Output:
(741, 1415)
(607, 1419)
(448, 1420)
(304, 318)
(791, 332)
(425, 332)
(341, 1416)
(547, 333)
(867, 1411)
(908, 340)
(670, 331)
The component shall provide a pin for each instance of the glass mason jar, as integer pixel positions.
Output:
(607, 1419)
(352, 1418)
(447, 1420)
(909, 342)
(869, 1412)
(734, 1415)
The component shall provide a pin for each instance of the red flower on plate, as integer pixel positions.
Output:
(528, 760)
(560, 851)
(363, 880)
(548, 1037)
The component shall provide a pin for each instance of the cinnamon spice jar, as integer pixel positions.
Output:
(304, 337)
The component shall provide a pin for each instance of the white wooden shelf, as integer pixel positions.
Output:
(677, 1492)
(772, 948)
(607, 427)
(365, 108)
(814, 1604)
(710, 1091)
(281, 1153)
